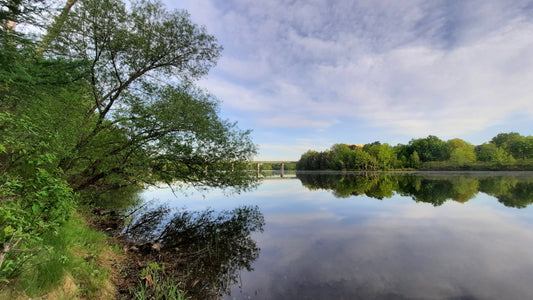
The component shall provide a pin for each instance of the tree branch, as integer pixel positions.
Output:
(54, 29)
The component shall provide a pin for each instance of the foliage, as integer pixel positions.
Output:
(136, 123)
(103, 98)
(414, 160)
(520, 147)
(313, 160)
(461, 152)
(28, 12)
(429, 149)
(461, 156)
(429, 153)
(340, 157)
(383, 154)
(157, 284)
(492, 153)
(77, 253)
(33, 199)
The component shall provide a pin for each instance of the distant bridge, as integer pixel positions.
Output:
(282, 162)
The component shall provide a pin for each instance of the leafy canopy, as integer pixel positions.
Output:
(103, 98)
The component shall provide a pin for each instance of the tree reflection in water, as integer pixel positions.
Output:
(512, 191)
(211, 247)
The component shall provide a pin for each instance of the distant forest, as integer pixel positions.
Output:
(506, 151)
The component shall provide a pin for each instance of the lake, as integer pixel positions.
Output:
(354, 236)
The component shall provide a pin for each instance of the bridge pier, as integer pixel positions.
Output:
(260, 162)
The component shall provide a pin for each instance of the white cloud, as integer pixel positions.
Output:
(290, 151)
(289, 120)
(405, 67)
(450, 92)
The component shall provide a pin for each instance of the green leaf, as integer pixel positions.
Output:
(36, 208)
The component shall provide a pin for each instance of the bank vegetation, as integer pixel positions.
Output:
(506, 151)
(97, 95)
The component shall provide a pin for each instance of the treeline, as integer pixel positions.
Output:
(514, 192)
(83, 107)
(506, 151)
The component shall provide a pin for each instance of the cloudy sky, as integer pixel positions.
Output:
(305, 74)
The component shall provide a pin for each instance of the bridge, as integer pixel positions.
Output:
(282, 162)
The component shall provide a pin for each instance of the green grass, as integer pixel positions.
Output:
(156, 284)
(73, 263)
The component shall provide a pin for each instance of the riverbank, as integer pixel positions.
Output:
(88, 259)
(518, 165)
(136, 271)
(145, 270)
(76, 262)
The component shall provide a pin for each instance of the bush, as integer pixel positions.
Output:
(34, 200)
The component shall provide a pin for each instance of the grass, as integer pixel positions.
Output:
(78, 262)
(156, 284)
(73, 263)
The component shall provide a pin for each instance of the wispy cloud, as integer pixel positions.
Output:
(404, 67)
(291, 151)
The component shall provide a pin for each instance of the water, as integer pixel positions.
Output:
(355, 236)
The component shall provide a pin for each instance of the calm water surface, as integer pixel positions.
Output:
(348, 236)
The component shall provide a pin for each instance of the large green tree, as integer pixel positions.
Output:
(146, 116)
(104, 98)
(520, 147)
(383, 155)
(461, 152)
(492, 153)
(429, 149)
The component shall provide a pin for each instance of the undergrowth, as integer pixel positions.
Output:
(73, 263)
(156, 284)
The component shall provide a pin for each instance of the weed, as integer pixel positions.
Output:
(156, 284)
(71, 265)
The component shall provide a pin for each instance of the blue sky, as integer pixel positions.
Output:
(306, 74)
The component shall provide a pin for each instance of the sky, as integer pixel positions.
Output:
(307, 74)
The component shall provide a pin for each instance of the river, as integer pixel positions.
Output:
(354, 236)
